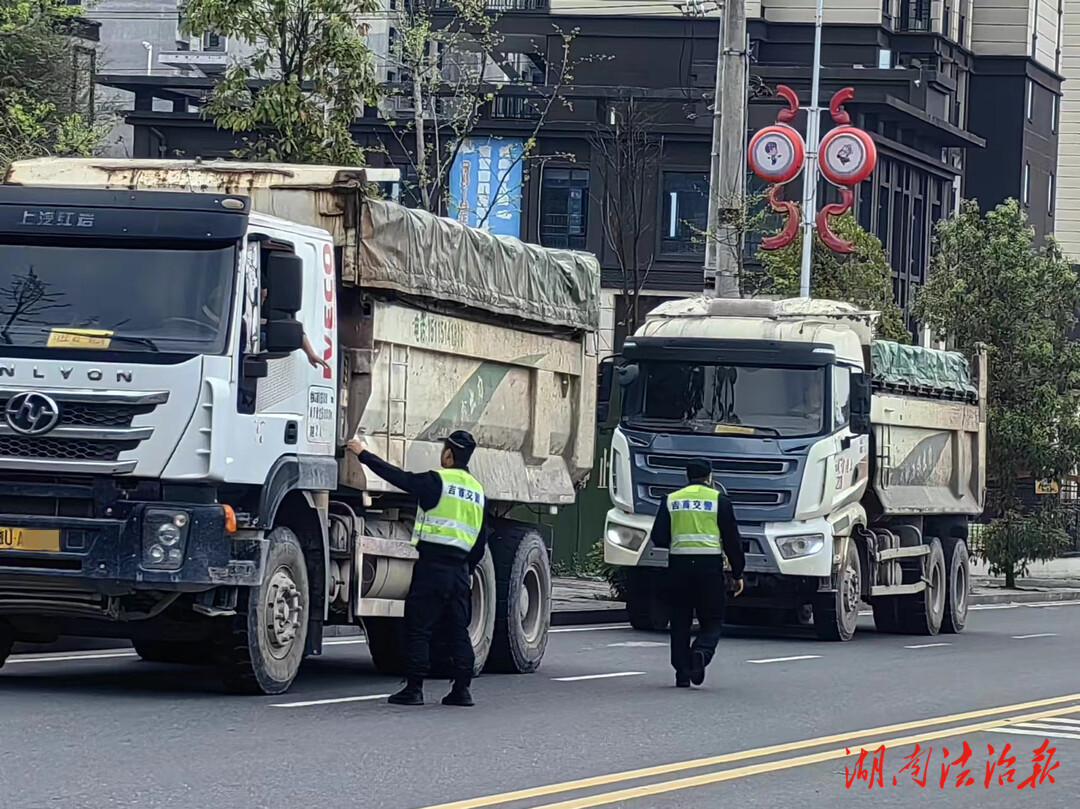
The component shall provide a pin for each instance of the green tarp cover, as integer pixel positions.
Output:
(921, 369)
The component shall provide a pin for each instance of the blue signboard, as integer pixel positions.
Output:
(485, 185)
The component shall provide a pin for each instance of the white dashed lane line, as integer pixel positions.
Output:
(335, 701)
(581, 677)
(1037, 635)
(927, 645)
(785, 659)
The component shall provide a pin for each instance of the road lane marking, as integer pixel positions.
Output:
(927, 645)
(581, 677)
(68, 658)
(637, 644)
(603, 628)
(1026, 731)
(344, 641)
(336, 701)
(760, 752)
(1036, 635)
(707, 779)
(785, 659)
(1064, 721)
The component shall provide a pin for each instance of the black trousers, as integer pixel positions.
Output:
(695, 586)
(439, 599)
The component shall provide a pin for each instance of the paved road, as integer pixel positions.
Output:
(770, 728)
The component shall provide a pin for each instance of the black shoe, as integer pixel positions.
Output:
(411, 694)
(697, 668)
(682, 681)
(460, 697)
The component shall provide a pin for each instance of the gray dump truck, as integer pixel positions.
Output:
(854, 465)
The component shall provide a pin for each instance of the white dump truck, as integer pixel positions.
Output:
(853, 465)
(185, 349)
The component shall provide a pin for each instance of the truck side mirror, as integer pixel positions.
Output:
(861, 392)
(283, 336)
(628, 374)
(284, 282)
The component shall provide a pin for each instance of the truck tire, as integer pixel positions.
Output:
(922, 613)
(187, 654)
(261, 649)
(7, 643)
(645, 603)
(958, 576)
(386, 643)
(836, 615)
(522, 600)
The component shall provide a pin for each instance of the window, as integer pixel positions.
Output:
(884, 59)
(1050, 195)
(685, 205)
(1026, 190)
(213, 42)
(1055, 112)
(841, 396)
(1030, 101)
(564, 208)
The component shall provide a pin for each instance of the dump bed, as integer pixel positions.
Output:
(441, 326)
(929, 424)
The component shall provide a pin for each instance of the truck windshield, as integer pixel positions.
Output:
(152, 298)
(718, 399)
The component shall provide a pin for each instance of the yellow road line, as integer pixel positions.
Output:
(727, 758)
(707, 779)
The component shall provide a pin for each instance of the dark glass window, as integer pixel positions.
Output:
(564, 208)
(685, 204)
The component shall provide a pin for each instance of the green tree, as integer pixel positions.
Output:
(306, 80)
(862, 277)
(46, 83)
(990, 283)
(452, 66)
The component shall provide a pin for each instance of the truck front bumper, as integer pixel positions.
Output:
(627, 543)
(116, 555)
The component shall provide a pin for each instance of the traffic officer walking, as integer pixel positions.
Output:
(449, 536)
(698, 526)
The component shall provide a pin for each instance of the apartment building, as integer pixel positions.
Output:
(961, 97)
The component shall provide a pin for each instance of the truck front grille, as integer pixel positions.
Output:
(21, 446)
(93, 429)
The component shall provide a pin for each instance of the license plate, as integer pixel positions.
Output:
(29, 539)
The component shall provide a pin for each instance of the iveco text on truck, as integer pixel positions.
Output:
(853, 465)
(170, 459)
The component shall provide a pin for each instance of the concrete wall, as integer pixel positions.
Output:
(1017, 28)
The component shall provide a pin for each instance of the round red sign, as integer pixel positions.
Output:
(776, 153)
(847, 156)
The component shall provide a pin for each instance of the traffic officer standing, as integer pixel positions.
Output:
(449, 536)
(698, 525)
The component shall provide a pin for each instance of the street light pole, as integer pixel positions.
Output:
(149, 57)
(810, 172)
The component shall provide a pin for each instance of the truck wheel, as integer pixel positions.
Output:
(386, 643)
(922, 613)
(836, 615)
(188, 654)
(264, 644)
(958, 578)
(522, 600)
(7, 643)
(645, 603)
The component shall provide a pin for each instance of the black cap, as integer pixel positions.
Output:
(461, 444)
(698, 469)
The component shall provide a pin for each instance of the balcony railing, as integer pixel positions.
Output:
(501, 5)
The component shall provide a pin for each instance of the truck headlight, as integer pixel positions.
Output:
(794, 547)
(164, 537)
(625, 537)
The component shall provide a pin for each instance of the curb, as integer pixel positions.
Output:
(612, 615)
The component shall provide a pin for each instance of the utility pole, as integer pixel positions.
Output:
(727, 176)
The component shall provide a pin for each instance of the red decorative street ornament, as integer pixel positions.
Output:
(846, 157)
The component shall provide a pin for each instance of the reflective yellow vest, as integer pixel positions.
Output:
(458, 517)
(694, 529)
